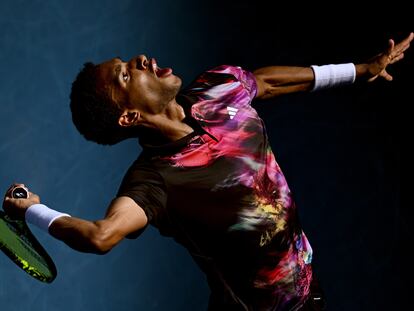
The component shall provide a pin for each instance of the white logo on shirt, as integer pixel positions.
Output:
(232, 111)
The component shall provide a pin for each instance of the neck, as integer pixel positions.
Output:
(170, 122)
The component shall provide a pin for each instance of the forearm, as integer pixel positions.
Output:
(273, 81)
(85, 236)
(279, 80)
(123, 218)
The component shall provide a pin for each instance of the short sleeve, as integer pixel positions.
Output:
(245, 77)
(146, 187)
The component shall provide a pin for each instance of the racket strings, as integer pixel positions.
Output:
(19, 244)
(22, 233)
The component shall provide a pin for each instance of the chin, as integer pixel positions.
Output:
(178, 83)
(176, 87)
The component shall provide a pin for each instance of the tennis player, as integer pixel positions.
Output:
(206, 176)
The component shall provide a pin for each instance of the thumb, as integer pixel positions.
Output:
(386, 75)
(391, 45)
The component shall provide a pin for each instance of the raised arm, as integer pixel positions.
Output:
(123, 218)
(273, 81)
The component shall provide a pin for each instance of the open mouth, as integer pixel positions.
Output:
(160, 72)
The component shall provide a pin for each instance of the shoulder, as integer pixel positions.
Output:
(238, 75)
(235, 71)
(143, 170)
(224, 78)
(145, 186)
(227, 73)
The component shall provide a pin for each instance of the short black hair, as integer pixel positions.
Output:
(94, 113)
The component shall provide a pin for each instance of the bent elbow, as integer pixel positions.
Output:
(102, 242)
(100, 247)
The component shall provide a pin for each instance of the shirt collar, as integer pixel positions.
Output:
(154, 143)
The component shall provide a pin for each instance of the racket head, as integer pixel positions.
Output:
(21, 246)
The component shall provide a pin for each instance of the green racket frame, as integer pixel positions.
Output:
(16, 239)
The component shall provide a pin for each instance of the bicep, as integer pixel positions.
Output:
(125, 217)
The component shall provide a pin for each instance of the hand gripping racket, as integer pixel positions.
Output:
(21, 246)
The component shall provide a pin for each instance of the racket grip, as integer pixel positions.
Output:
(20, 193)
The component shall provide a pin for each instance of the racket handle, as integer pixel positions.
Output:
(20, 193)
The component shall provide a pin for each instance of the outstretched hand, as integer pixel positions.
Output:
(377, 66)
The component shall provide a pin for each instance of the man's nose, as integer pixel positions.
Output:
(140, 62)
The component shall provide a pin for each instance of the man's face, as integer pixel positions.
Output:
(139, 84)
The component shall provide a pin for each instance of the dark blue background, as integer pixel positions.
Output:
(340, 150)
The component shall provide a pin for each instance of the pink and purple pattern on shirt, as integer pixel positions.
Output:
(222, 106)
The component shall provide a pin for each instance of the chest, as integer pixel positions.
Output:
(209, 195)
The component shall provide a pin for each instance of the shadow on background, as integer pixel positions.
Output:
(340, 149)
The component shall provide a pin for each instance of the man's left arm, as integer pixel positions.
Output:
(279, 80)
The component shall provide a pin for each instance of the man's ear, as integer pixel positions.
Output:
(129, 118)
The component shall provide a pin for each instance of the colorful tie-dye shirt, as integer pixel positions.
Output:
(220, 192)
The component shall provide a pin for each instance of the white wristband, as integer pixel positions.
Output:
(42, 216)
(328, 76)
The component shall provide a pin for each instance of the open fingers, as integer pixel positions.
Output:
(409, 38)
(386, 75)
(390, 48)
(397, 58)
(404, 44)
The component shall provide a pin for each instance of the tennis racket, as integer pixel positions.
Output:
(21, 246)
